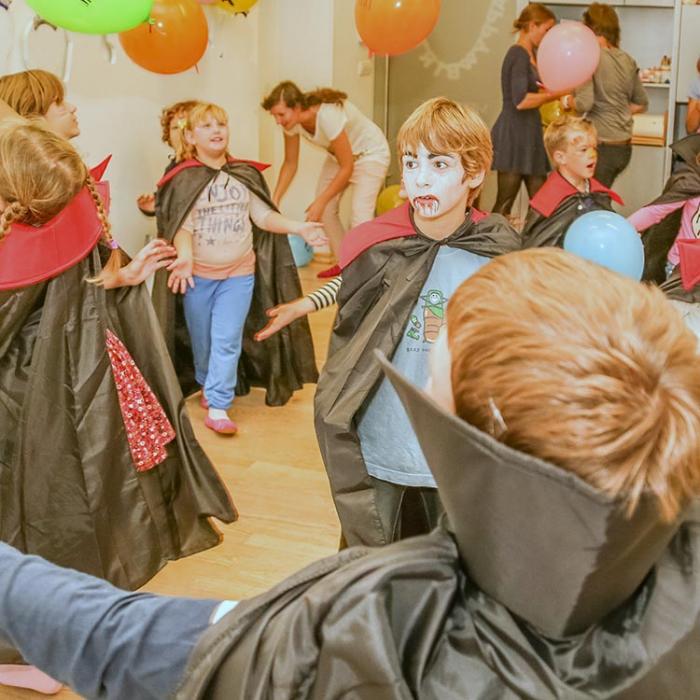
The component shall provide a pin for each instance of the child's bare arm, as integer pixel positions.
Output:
(181, 268)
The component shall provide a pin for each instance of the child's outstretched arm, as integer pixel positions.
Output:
(283, 314)
(152, 257)
(181, 268)
(647, 216)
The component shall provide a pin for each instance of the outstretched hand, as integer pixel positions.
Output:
(147, 203)
(282, 315)
(180, 275)
(313, 234)
(152, 257)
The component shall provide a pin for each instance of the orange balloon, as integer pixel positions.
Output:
(173, 41)
(390, 27)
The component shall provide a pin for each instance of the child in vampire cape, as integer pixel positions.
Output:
(570, 189)
(230, 268)
(674, 216)
(561, 429)
(398, 273)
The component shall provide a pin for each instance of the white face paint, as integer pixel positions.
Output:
(435, 183)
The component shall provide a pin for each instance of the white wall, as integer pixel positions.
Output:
(119, 105)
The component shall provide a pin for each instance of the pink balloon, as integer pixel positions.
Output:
(567, 56)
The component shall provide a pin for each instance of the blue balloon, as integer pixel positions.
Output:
(608, 239)
(303, 253)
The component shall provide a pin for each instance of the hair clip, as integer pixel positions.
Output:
(111, 243)
(498, 425)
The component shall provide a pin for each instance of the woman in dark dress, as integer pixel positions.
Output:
(517, 134)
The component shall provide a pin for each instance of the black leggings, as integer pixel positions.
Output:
(509, 186)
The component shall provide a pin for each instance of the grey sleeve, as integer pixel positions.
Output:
(103, 642)
(639, 94)
(584, 97)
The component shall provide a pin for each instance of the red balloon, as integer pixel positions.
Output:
(567, 56)
(173, 41)
(390, 27)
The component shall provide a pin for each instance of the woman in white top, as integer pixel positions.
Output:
(358, 153)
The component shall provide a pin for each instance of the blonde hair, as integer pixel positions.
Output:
(197, 115)
(444, 126)
(31, 92)
(533, 12)
(40, 173)
(581, 367)
(560, 132)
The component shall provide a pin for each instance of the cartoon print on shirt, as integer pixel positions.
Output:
(414, 330)
(433, 314)
(695, 223)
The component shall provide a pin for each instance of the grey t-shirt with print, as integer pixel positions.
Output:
(389, 445)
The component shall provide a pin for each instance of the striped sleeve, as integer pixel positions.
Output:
(326, 295)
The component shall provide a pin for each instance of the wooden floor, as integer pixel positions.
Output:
(274, 473)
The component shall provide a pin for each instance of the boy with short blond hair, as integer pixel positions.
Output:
(570, 189)
(398, 273)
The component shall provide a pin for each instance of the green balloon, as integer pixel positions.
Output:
(93, 16)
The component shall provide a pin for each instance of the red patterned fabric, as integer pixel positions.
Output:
(148, 429)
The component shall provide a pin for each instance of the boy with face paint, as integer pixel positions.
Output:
(570, 190)
(399, 272)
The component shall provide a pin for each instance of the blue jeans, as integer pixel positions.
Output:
(215, 312)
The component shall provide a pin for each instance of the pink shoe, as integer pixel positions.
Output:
(203, 401)
(223, 426)
(30, 677)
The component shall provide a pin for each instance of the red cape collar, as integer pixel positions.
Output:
(689, 254)
(396, 223)
(557, 188)
(194, 163)
(32, 254)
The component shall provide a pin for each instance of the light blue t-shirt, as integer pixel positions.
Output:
(389, 445)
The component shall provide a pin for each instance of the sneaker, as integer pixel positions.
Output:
(223, 426)
(330, 272)
(203, 401)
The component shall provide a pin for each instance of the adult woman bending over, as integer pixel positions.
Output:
(358, 153)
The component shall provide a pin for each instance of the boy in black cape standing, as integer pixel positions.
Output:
(570, 190)
(285, 362)
(562, 430)
(399, 270)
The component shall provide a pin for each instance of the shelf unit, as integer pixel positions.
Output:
(650, 29)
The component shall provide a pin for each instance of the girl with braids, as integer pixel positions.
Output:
(99, 468)
(358, 154)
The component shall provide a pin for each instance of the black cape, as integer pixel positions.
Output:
(557, 205)
(284, 362)
(379, 290)
(69, 491)
(536, 586)
(683, 184)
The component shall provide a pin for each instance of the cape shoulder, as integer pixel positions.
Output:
(194, 163)
(395, 223)
(556, 189)
(32, 254)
